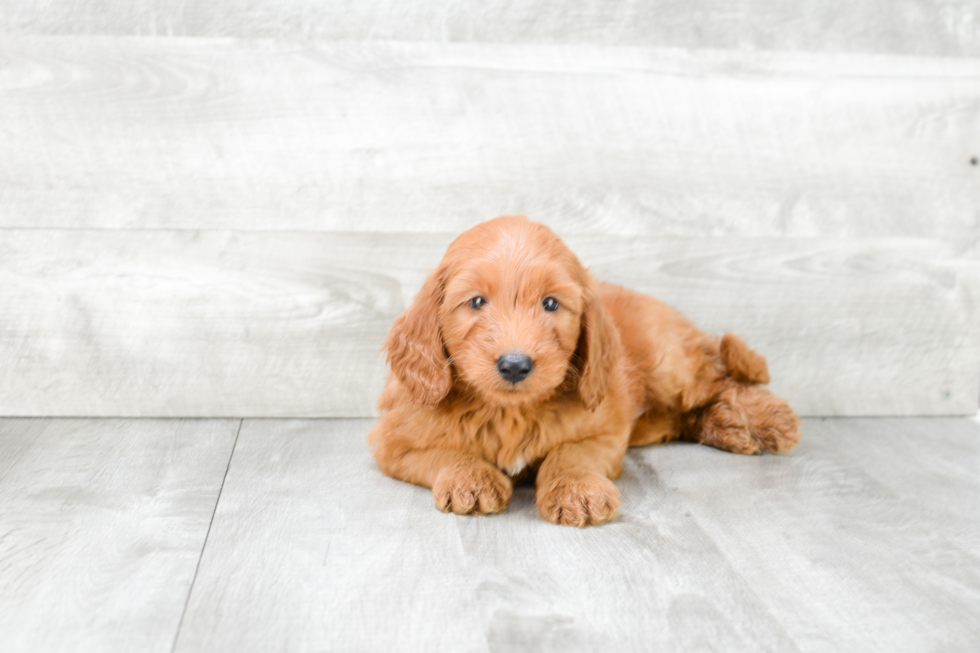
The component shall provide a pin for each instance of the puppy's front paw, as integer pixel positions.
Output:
(581, 499)
(472, 489)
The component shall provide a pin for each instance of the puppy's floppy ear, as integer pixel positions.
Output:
(415, 350)
(598, 349)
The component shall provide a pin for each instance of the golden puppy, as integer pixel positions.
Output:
(513, 358)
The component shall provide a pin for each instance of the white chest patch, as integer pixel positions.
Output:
(517, 465)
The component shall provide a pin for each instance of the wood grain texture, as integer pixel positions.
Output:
(312, 548)
(842, 539)
(198, 133)
(945, 454)
(949, 28)
(102, 525)
(184, 323)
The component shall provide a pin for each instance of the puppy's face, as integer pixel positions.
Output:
(511, 314)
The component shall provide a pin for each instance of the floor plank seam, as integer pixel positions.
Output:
(197, 568)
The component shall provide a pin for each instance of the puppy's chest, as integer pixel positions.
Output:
(515, 442)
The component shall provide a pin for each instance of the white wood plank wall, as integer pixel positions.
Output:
(171, 323)
(201, 134)
(204, 226)
(947, 28)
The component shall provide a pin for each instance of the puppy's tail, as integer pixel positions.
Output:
(742, 363)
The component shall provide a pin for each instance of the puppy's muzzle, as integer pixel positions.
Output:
(514, 367)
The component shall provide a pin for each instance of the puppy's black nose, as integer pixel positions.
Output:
(514, 367)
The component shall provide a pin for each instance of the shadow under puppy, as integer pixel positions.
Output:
(513, 358)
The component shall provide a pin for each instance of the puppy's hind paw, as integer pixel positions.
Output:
(472, 489)
(747, 420)
(772, 422)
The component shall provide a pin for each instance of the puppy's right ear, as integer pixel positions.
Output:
(415, 349)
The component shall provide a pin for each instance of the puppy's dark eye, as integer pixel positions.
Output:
(477, 303)
(550, 304)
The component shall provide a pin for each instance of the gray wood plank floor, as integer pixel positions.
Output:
(866, 537)
(101, 528)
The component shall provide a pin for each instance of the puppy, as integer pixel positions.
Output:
(514, 360)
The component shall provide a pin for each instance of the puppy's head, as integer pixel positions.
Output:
(511, 314)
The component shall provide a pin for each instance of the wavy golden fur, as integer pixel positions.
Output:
(611, 368)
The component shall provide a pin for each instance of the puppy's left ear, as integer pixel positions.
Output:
(598, 349)
(415, 349)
